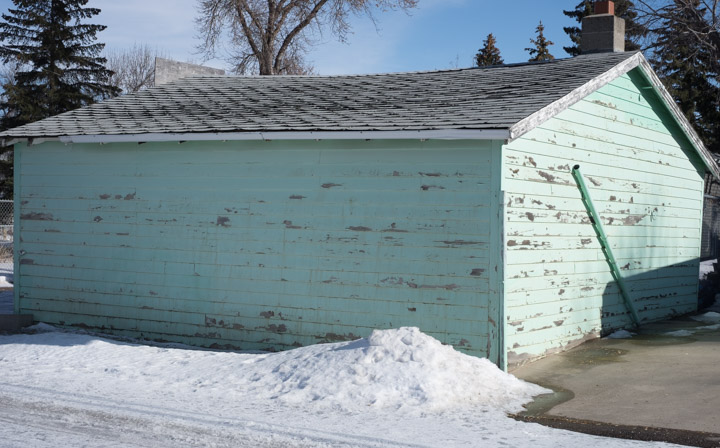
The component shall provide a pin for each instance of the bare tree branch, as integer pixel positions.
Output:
(699, 18)
(297, 30)
(271, 36)
(240, 8)
(134, 68)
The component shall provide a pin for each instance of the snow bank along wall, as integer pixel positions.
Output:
(262, 245)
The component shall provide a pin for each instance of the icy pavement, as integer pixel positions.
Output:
(663, 376)
(395, 388)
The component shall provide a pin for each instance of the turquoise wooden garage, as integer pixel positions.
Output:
(274, 212)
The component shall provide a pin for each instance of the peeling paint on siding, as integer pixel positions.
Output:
(262, 254)
(360, 229)
(33, 216)
(628, 164)
(222, 221)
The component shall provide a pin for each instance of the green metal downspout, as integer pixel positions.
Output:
(602, 238)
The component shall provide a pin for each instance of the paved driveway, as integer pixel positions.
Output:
(666, 376)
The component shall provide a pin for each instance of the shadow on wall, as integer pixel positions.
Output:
(656, 294)
(711, 228)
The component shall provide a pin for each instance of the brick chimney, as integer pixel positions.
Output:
(603, 32)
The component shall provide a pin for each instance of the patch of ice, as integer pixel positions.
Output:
(621, 334)
(709, 317)
(679, 333)
(40, 328)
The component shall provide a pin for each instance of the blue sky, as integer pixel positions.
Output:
(438, 34)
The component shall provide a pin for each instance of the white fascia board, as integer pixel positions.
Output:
(30, 141)
(536, 119)
(636, 60)
(449, 134)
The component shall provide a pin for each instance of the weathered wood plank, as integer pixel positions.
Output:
(637, 267)
(576, 130)
(385, 259)
(643, 183)
(245, 164)
(581, 285)
(645, 220)
(222, 221)
(223, 338)
(565, 138)
(617, 242)
(560, 161)
(529, 229)
(613, 204)
(570, 191)
(340, 237)
(431, 196)
(298, 208)
(323, 284)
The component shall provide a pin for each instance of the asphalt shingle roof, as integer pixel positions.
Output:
(472, 99)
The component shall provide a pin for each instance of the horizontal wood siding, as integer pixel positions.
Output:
(264, 245)
(647, 187)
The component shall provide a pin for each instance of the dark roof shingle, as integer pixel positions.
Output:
(469, 99)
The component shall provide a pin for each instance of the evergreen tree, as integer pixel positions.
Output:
(684, 65)
(57, 66)
(6, 173)
(541, 49)
(60, 64)
(489, 54)
(634, 31)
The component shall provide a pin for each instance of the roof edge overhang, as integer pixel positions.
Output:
(636, 60)
(434, 134)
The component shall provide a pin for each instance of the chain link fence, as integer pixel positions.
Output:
(6, 237)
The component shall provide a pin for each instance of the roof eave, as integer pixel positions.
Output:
(551, 110)
(433, 134)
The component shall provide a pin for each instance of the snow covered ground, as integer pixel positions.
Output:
(396, 388)
(706, 267)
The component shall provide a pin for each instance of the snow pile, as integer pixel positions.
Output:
(402, 369)
(621, 334)
(40, 328)
(710, 317)
(680, 333)
(706, 267)
(6, 281)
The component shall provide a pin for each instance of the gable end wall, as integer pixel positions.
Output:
(647, 185)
